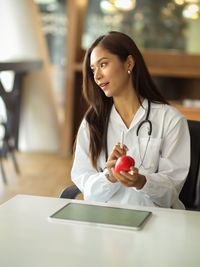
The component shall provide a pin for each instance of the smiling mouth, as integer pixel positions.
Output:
(103, 85)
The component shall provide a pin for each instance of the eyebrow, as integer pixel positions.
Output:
(99, 60)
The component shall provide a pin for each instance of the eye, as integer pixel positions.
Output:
(103, 64)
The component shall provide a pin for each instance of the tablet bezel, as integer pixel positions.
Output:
(96, 223)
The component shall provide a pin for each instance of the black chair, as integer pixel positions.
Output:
(9, 142)
(189, 194)
(7, 148)
(70, 192)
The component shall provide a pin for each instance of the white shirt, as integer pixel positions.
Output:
(165, 165)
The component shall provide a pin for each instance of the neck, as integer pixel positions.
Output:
(127, 106)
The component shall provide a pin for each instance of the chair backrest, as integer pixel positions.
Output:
(188, 194)
(70, 192)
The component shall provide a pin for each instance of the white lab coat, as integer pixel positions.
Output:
(165, 165)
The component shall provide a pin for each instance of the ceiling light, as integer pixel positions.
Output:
(191, 11)
(125, 4)
(179, 2)
(45, 2)
(191, 1)
(107, 7)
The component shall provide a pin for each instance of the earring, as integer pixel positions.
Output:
(129, 72)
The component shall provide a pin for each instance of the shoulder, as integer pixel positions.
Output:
(83, 124)
(166, 111)
(82, 138)
(83, 128)
(167, 117)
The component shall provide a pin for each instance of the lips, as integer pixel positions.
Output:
(103, 85)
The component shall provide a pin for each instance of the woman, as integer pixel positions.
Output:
(121, 95)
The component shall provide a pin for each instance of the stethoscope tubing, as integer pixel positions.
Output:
(137, 131)
(146, 121)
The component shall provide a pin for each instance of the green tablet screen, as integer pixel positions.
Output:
(102, 215)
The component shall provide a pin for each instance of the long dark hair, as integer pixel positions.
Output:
(97, 115)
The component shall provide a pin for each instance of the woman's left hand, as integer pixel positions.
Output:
(131, 178)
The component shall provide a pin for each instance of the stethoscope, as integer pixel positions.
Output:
(146, 121)
(142, 123)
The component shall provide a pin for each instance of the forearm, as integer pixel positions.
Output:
(162, 189)
(96, 186)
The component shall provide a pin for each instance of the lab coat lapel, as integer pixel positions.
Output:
(140, 114)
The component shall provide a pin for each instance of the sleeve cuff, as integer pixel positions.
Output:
(105, 172)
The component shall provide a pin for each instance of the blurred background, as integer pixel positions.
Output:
(41, 51)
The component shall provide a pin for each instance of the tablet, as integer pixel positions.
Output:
(101, 215)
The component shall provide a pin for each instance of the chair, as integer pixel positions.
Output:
(70, 192)
(7, 147)
(189, 194)
(9, 142)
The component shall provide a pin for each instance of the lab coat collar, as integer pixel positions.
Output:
(140, 114)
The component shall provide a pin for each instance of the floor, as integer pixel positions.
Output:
(41, 174)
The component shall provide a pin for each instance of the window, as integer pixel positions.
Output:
(155, 25)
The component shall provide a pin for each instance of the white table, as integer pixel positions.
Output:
(171, 238)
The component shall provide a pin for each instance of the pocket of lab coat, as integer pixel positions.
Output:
(149, 152)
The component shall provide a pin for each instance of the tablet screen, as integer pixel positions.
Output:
(102, 215)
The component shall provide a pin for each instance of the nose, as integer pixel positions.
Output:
(97, 74)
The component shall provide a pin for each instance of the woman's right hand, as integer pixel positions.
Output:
(115, 154)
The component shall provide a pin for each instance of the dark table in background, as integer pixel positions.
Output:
(12, 99)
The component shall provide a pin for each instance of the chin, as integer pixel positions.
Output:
(108, 94)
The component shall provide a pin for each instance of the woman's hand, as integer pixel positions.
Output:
(131, 178)
(115, 154)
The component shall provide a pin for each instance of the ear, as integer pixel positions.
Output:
(130, 62)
